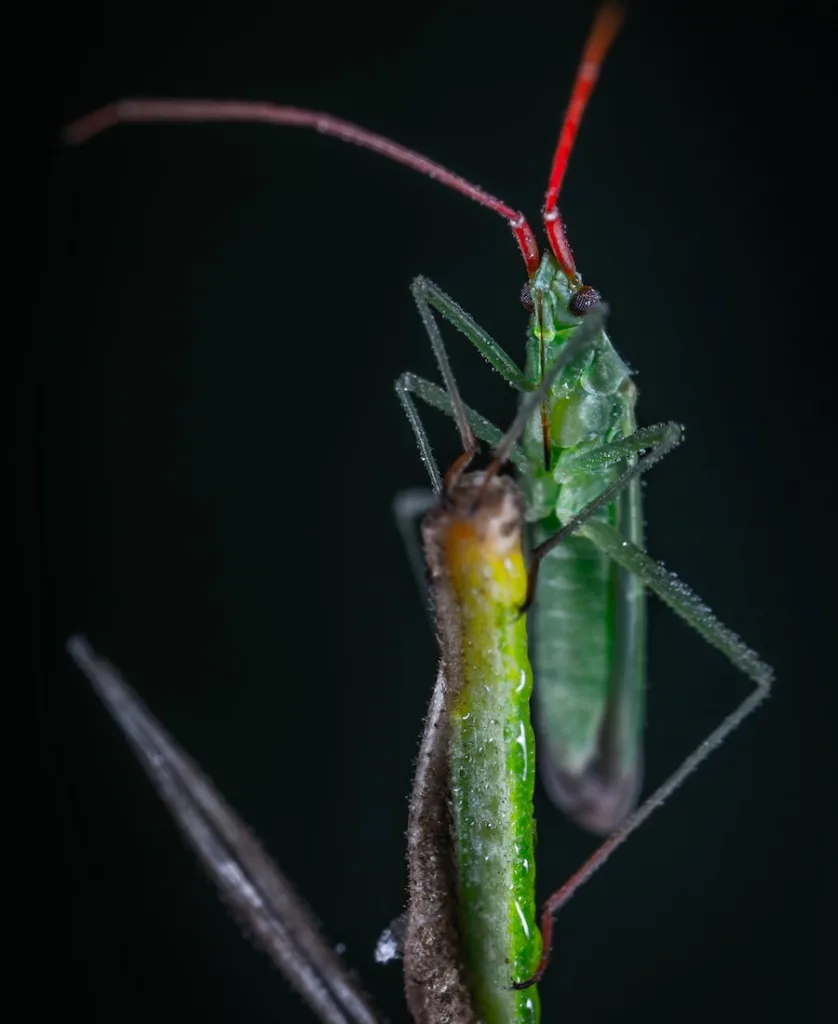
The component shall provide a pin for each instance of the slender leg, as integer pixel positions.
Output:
(615, 451)
(680, 598)
(246, 877)
(408, 506)
(427, 294)
(692, 609)
(438, 397)
(661, 438)
(429, 297)
(669, 588)
(403, 389)
(598, 858)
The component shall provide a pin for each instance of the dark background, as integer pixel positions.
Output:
(209, 444)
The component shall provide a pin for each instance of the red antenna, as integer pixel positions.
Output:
(605, 28)
(602, 35)
(155, 111)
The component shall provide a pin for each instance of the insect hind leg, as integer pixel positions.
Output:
(695, 613)
(408, 507)
(646, 809)
(681, 599)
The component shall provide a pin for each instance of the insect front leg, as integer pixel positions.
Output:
(410, 384)
(428, 295)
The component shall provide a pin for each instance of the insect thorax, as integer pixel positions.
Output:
(590, 404)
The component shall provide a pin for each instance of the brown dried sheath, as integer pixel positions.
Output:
(434, 972)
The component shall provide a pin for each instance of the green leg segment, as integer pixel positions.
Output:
(692, 609)
(408, 507)
(664, 436)
(660, 439)
(427, 294)
(680, 599)
(409, 384)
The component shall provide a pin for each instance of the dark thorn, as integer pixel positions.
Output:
(519, 986)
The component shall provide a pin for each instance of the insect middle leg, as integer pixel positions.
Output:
(668, 587)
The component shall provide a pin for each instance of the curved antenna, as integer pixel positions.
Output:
(160, 110)
(602, 35)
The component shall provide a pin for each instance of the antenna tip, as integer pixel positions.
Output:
(611, 16)
(84, 128)
(608, 22)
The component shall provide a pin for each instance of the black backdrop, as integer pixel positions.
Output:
(208, 421)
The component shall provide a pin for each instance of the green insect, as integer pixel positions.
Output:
(471, 913)
(588, 620)
(471, 918)
(582, 447)
(588, 617)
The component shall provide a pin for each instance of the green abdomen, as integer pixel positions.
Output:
(587, 625)
(587, 631)
(571, 627)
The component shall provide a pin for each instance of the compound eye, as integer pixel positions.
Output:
(526, 298)
(583, 301)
